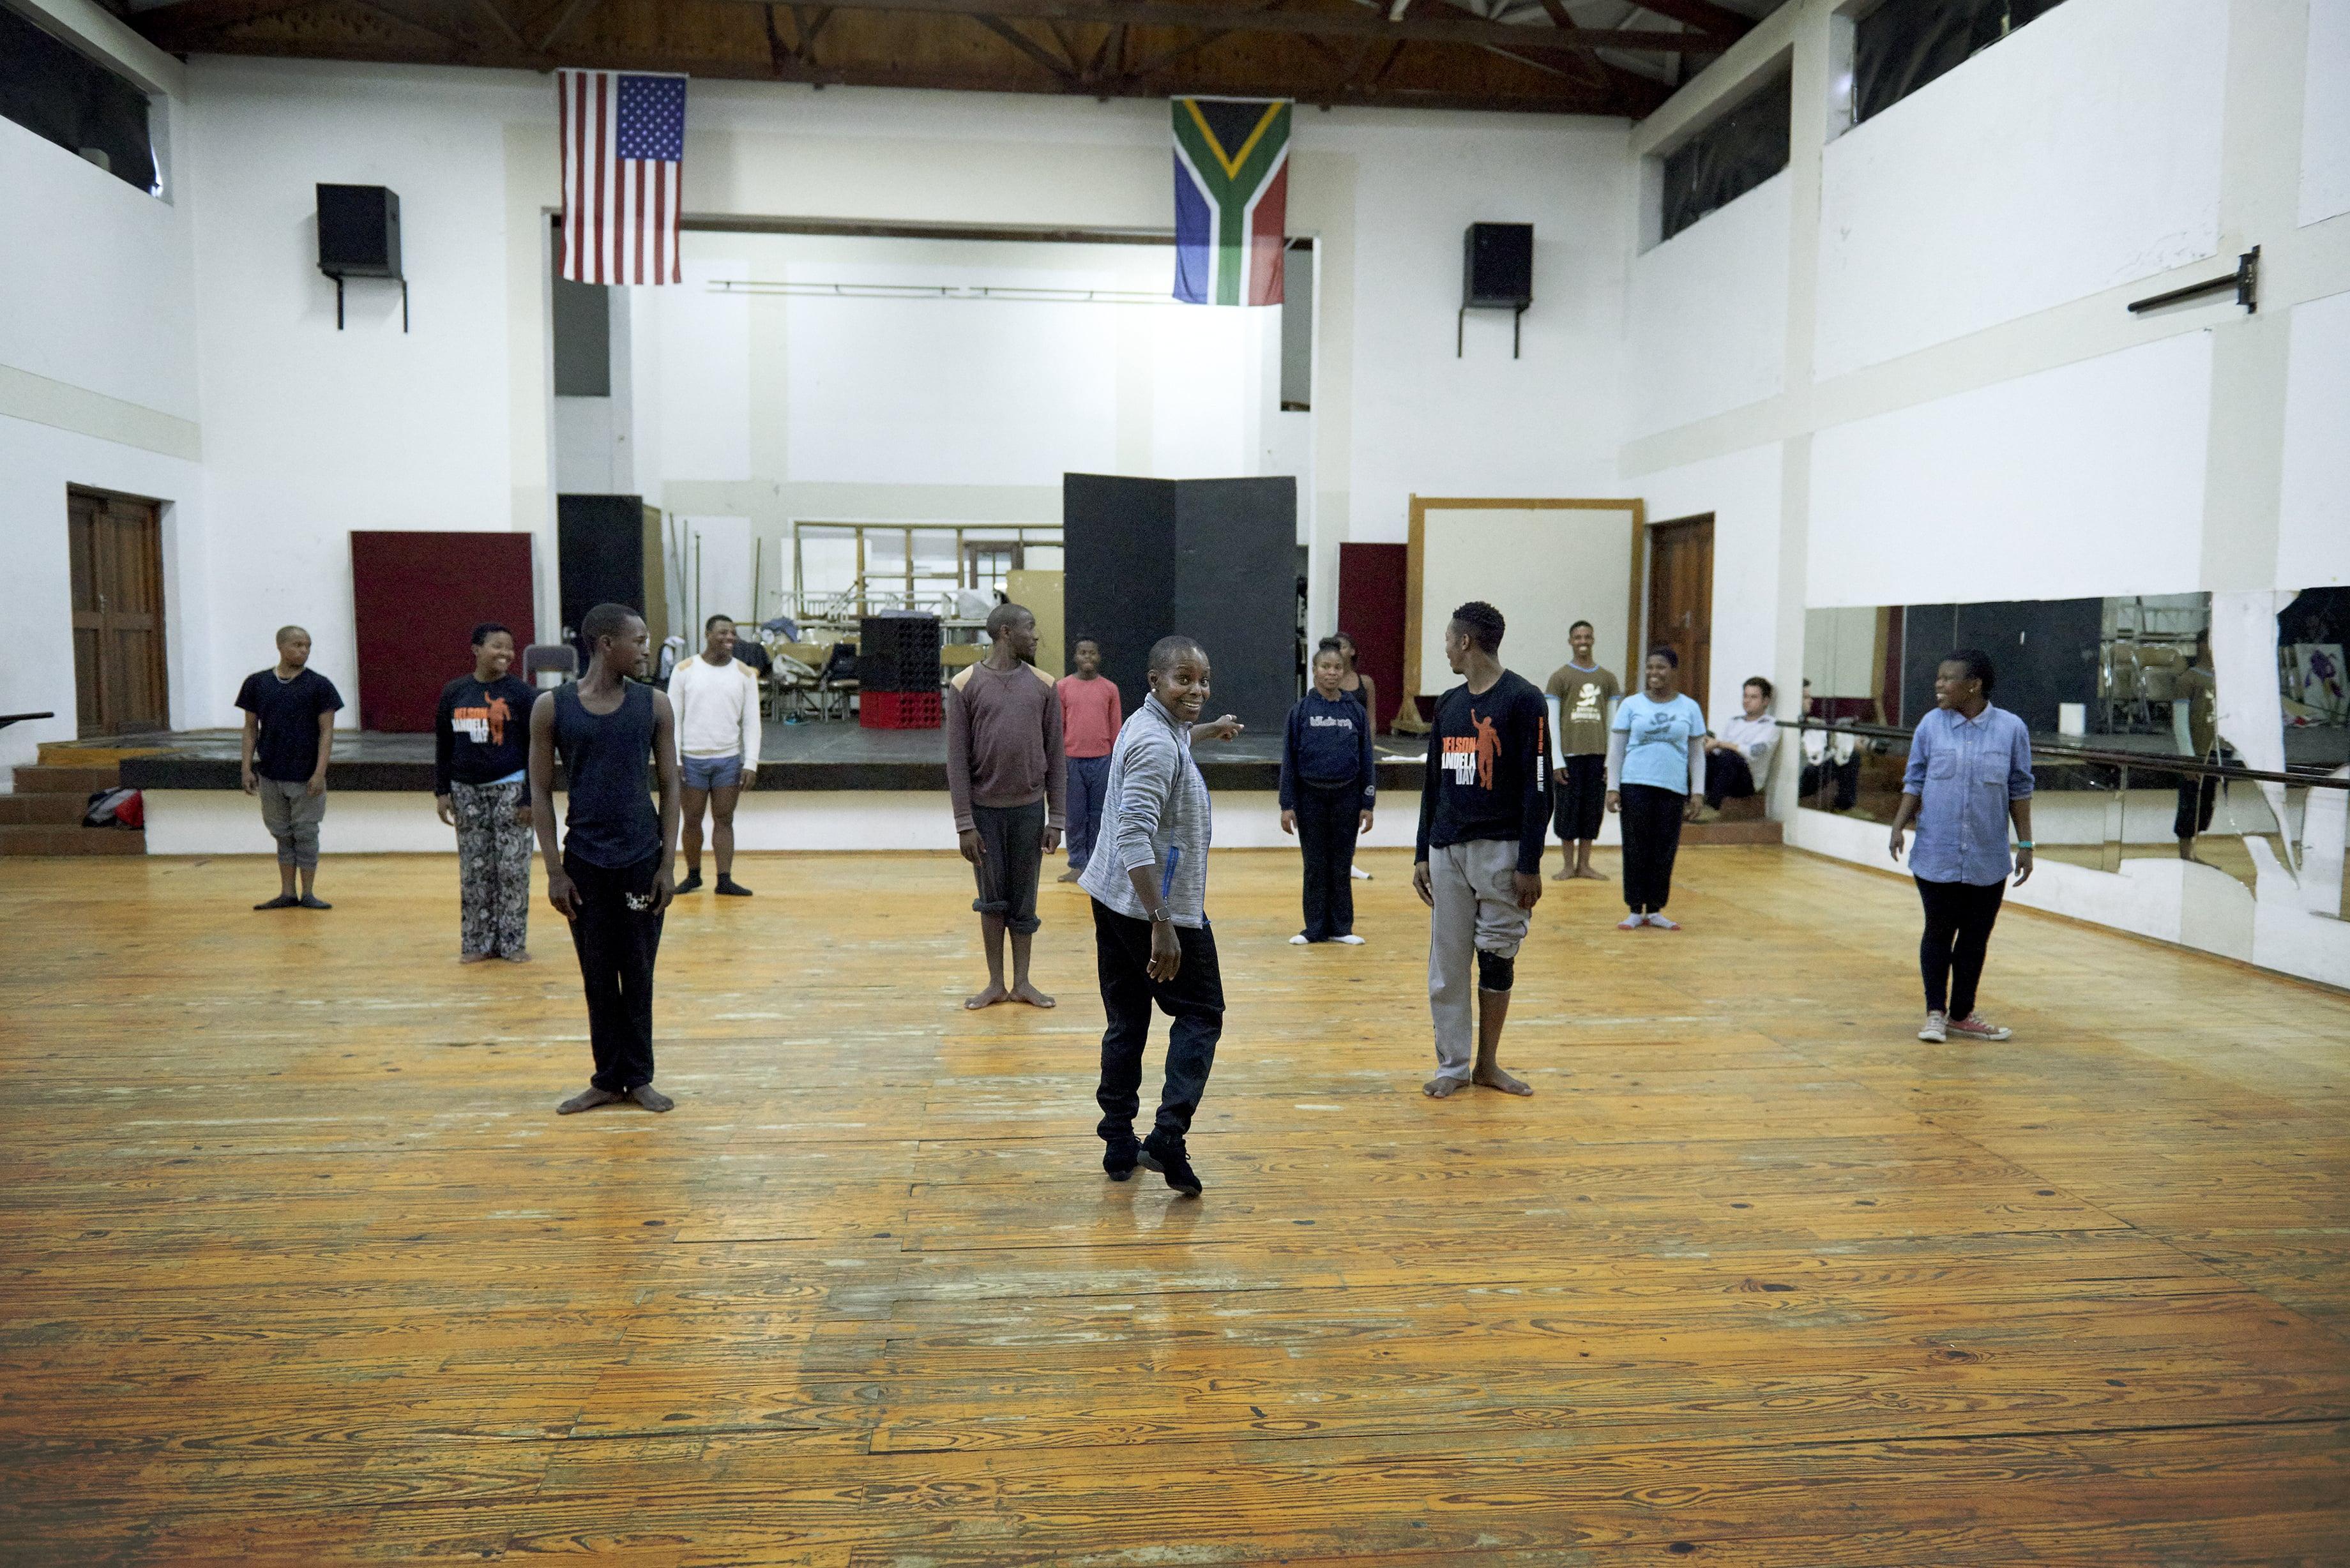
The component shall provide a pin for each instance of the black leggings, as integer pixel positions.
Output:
(1959, 918)
(1328, 822)
(1652, 837)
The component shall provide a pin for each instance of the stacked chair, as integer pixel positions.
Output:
(898, 672)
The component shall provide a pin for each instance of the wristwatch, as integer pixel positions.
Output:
(1163, 916)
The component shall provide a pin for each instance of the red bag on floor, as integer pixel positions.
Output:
(116, 808)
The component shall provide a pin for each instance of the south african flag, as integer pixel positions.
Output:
(1231, 199)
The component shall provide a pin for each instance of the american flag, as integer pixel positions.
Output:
(623, 173)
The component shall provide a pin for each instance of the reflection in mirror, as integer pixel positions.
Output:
(2141, 707)
(2312, 683)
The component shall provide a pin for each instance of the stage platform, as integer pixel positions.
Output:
(828, 756)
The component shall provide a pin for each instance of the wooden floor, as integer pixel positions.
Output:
(296, 1263)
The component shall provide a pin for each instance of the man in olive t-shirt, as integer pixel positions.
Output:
(1582, 699)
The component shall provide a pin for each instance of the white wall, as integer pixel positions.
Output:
(2077, 154)
(1964, 409)
(100, 279)
(2324, 189)
(1743, 490)
(311, 433)
(2082, 480)
(2314, 510)
(1706, 330)
(1481, 424)
(98, 381)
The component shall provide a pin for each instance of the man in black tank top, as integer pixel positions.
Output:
(616, 871)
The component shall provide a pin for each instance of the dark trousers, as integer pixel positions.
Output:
(1195, 998)
(1846, 774)
(1579, 805)
(618, 935)
(2197, 797)
(1727, 777)
(1012, 854)
(1088, 789)
(1328, 821)
(1652, 837)
(1959, 918)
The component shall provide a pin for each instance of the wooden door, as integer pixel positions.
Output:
(117, 549)
(1681, 600)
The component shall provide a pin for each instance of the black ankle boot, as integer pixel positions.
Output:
(1119, 1156)
(1164, 1152)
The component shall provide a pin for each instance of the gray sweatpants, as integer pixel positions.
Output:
(1476, 912)
(292, 815)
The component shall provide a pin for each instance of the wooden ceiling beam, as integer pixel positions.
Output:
(1035, 51)
(757, 64)
(1353, 22)
(1705, 16)
(178, 27)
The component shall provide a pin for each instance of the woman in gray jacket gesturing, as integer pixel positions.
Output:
(1148, 880)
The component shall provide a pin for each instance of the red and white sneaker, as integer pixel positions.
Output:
(1663, 924)
(1631, 922)
(1937, 1029)
(1975, 1026)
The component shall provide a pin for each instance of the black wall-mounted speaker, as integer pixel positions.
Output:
(1498, 265)
(359, 230)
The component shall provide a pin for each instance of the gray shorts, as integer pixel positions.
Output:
(292, 815)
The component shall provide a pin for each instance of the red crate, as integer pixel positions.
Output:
(899, 710)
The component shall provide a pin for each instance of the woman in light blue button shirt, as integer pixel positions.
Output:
(1969, 775)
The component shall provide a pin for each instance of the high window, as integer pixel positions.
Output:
(55, 91)
(1902, 44)
(1728, 158)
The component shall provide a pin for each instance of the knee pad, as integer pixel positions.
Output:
(1496, 972)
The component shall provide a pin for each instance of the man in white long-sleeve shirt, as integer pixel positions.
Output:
(715, 697)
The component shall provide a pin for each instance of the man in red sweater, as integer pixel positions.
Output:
(1090, 716)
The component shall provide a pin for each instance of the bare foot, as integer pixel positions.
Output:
(520, 955)
(1071, 875)
(1032, 996)
(588, 1099)
(988, 998)
(1494, 1078)
(1563, 875)
(1585, 874)
(653, 1099)
(1442, 1088)
(471, 958)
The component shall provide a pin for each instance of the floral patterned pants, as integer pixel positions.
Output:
(493, 867)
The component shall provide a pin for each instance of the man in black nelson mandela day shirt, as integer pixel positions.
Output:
(1483, 812)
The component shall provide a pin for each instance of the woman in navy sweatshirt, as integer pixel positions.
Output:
(1327, 790)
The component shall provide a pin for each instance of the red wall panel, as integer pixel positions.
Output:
(1371, 611)
(416, 598)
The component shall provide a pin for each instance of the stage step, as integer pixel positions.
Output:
(79, 779)
(92, 754)
(52, 809)
(43, 817)
(74, 840)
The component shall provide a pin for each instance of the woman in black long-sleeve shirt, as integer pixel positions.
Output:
(1327, 790)
(481, 784)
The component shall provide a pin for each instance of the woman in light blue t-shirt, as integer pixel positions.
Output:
(1655, 776)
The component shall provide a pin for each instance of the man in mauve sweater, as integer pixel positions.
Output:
(1008, 778)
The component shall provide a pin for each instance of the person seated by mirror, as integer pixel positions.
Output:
(1738, 754)
(2195, 728)
(1826, 758)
